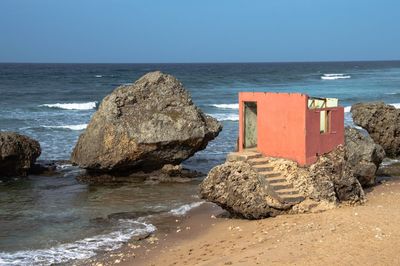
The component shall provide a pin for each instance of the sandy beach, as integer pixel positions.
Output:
(348, 235)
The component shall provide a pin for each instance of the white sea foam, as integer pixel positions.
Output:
(182, 210)
(334, 76)
(81, 249)
(71, 127)
(225, 117)
(226, 105)
(71, 106)
(98, 76)
(347, 109)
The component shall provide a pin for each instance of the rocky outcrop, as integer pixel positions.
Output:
(18, 153)
(144, 126)
(363, 155)
(382, 122)
(238, 188)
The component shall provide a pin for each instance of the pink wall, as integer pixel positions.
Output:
(318, 143)
(280, 122)
(286, 128)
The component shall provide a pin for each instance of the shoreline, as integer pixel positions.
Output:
(361, 234)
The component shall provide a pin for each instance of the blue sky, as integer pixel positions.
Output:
(198, 31)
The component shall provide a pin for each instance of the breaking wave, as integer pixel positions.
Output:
(334, 76)
(347, 109)
(225, 117)
(226, 105)
(182, 210)
(70, 127)
(71, 106)
(81, 249)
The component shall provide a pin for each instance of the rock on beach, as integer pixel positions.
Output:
(382, 121)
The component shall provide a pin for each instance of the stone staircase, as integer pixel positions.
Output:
(275, 183)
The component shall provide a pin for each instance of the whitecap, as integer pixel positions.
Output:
(335, 76)
(225, 117)
(98, 76)
(347, 109)
(226, 105)
(78, 250)
(71, 106)
(71, 127)
(182, 210)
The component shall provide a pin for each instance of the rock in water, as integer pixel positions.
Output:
(382, 123)
(18, 153)
(144, 126)
(363, 155)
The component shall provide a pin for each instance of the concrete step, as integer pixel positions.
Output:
(284, 192)
(253, 155)
(269, 174)
(281, 185)
(257, 161)
(242, 156)
(276, 179)
(263, 168)
(293, 198)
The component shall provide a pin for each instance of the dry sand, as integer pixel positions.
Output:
(367, 235)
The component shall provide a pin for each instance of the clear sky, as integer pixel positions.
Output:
(147, 31)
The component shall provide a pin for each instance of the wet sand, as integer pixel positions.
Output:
(349, 235)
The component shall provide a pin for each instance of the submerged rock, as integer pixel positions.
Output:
(18, 153)
(363, 155)
(382, 122)
(144, 126)
(238, 188)
(167, 174)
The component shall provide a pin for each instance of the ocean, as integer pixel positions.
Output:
(56, 219)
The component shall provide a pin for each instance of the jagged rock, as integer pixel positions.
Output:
(17, 154)
(382, 122)
(238, 188)
(167, 174)
(363, 155)
(144, 126)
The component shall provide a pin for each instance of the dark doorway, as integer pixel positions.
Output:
(250, 125)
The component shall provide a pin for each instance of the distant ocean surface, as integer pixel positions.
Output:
(56, 219)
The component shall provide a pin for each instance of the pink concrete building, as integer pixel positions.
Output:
(289, 125)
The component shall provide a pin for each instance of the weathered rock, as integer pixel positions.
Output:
(167, 174)
(144, 126)
(363, 155)
(391, 169)
(382, 122)
(17, 154)
(237, 187)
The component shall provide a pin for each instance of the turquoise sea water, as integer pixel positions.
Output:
(42, 217)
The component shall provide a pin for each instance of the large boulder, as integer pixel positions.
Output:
(363, 155)
(237, 187)
(382, 122)
(145, 125)
(18, 153)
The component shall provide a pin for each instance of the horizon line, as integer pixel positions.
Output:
(231, 62)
